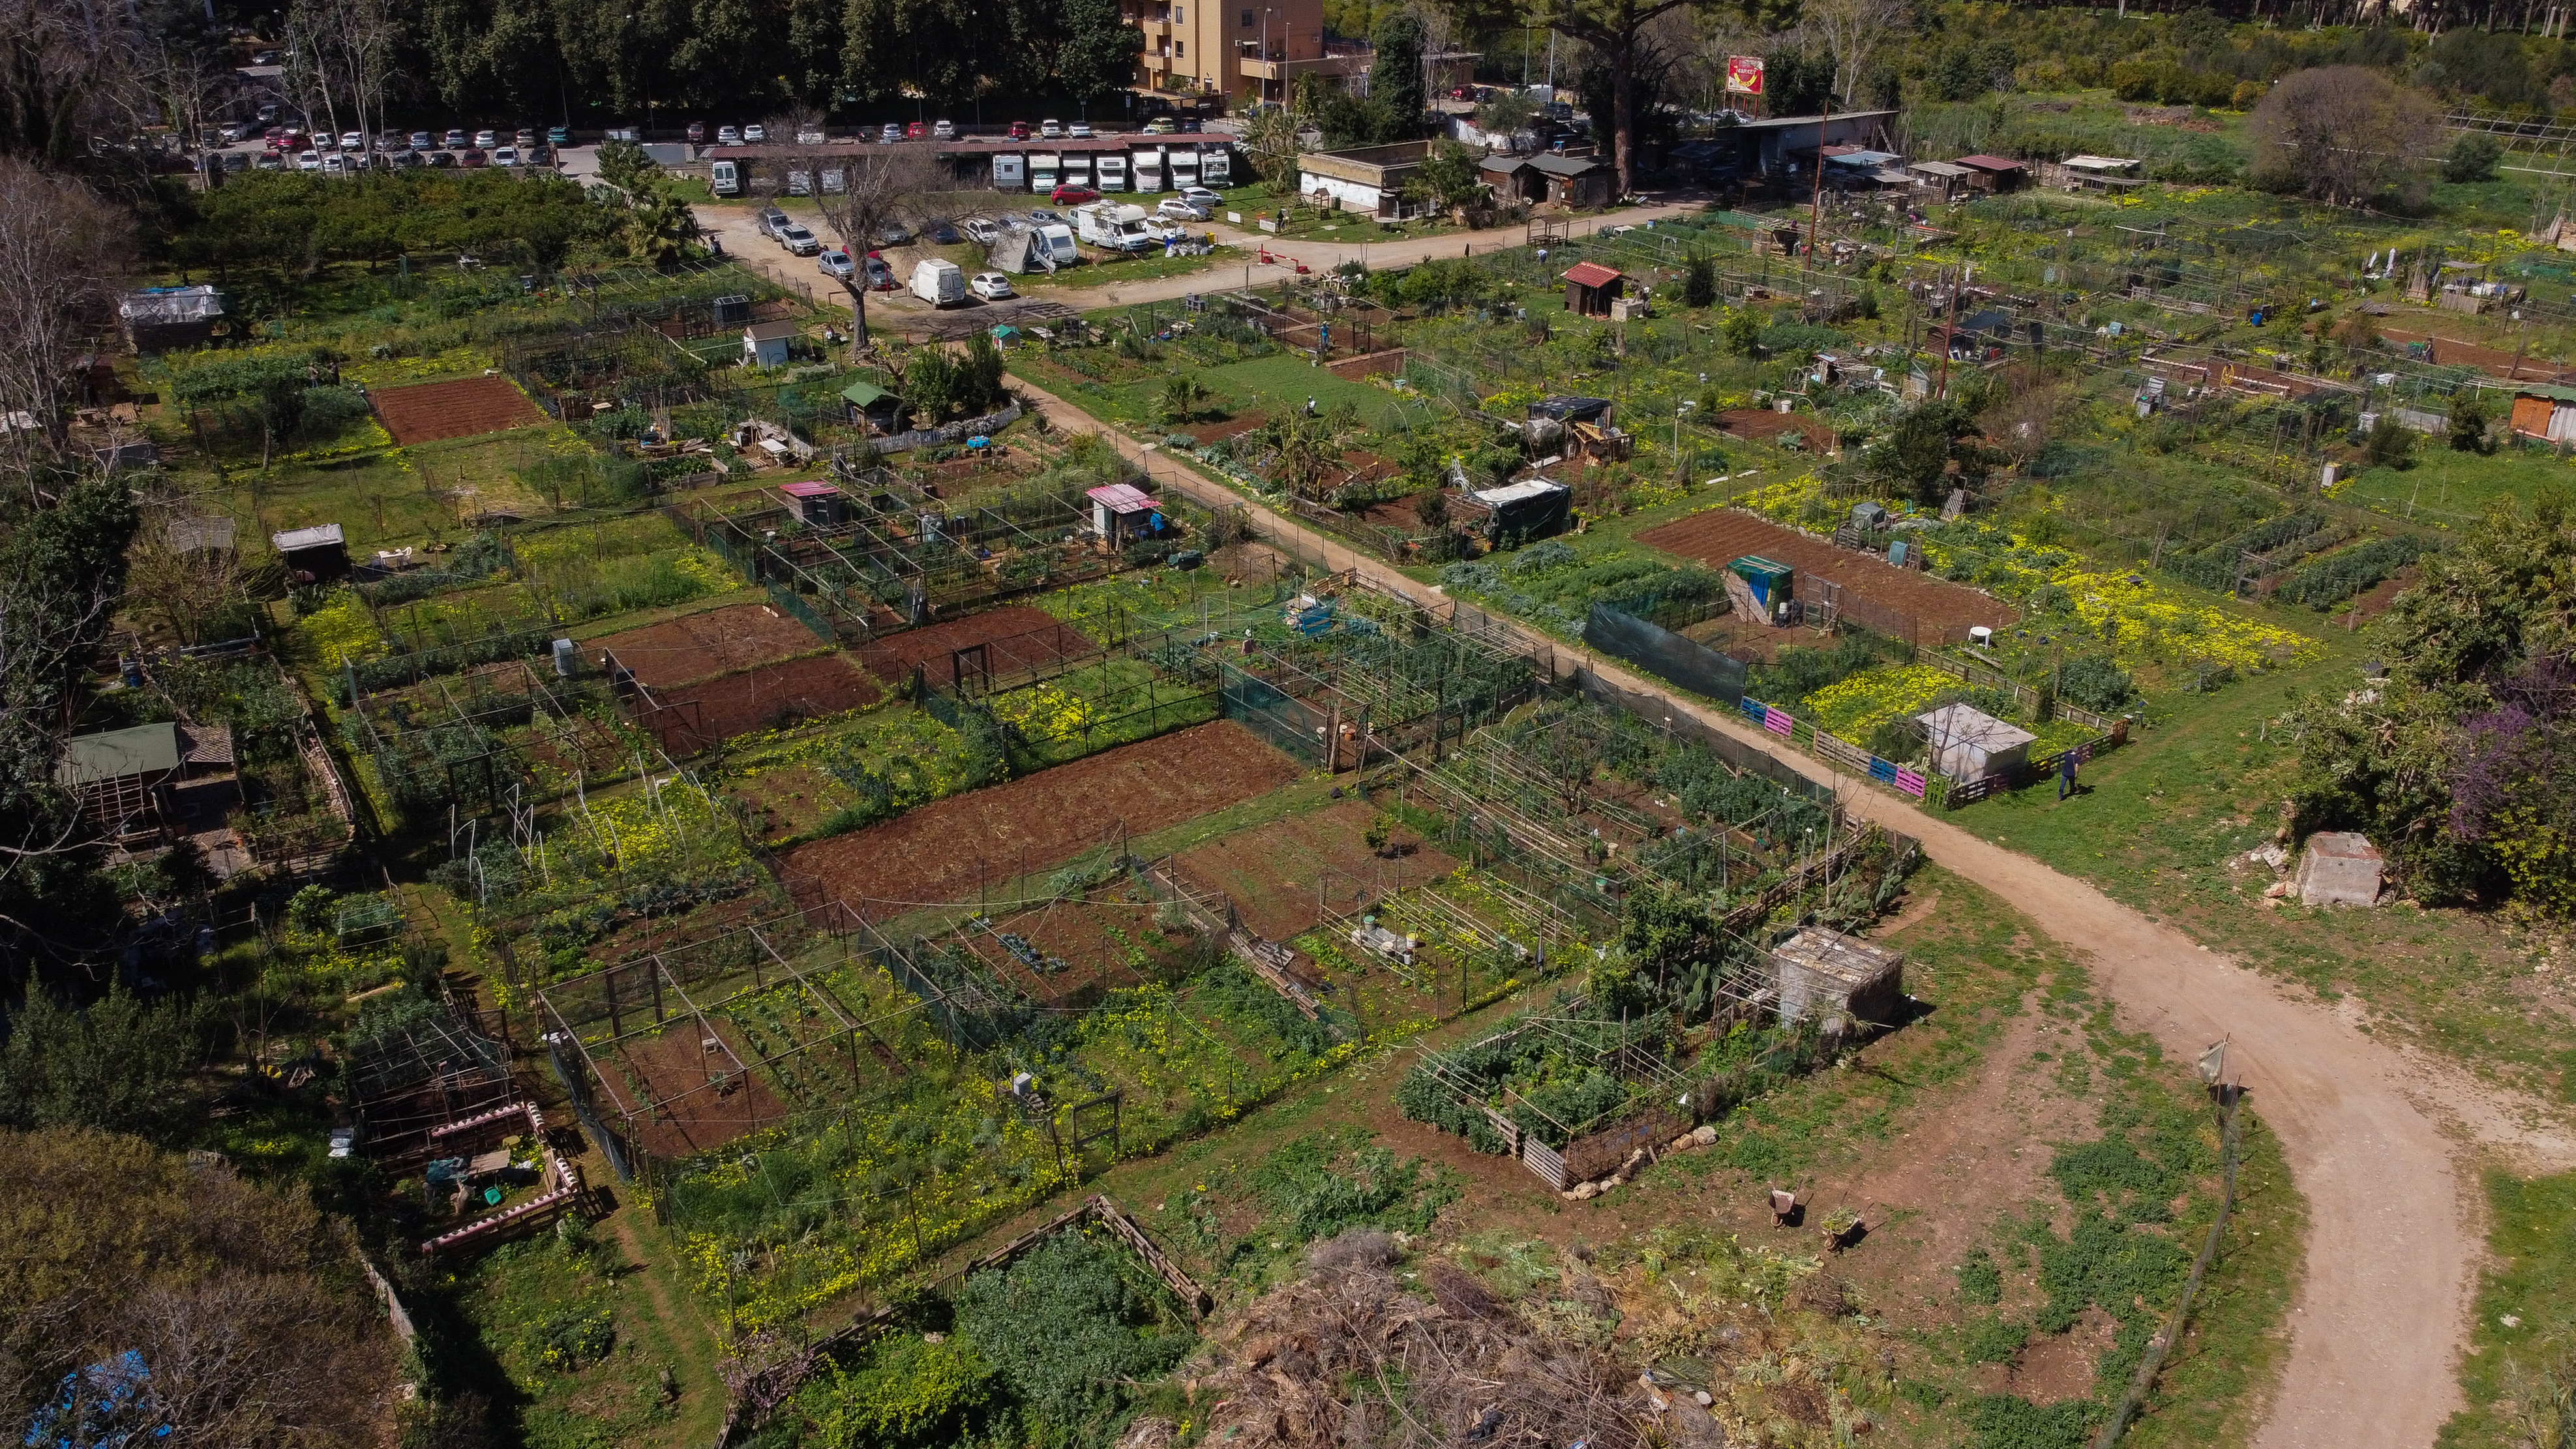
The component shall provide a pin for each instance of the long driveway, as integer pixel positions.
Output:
(2382, 1139)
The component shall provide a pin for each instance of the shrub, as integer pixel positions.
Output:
(1067, 1327)
(2339, 576)
(2095, 683)
(1980, 1282)
(2472, 158)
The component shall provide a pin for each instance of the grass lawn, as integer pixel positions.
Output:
(2519, 1341)
(2452, 490)
(1107, 269)
(397, 496)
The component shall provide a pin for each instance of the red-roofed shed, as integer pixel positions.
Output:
(1994, 173)
(1591, 287)
(817, 504)
(1122, 512)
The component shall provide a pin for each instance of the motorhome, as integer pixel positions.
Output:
(1149, 169)
(1113, 171)
(1044, 169)
(1117, 226)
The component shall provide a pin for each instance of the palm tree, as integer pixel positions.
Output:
(661, 226)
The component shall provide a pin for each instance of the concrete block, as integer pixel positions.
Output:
(2339, 868)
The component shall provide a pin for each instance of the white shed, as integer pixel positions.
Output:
(765, 344)
(1970, 744)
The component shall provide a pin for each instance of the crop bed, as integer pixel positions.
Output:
(1876, 594)
(692, 648)
(939, 852)
(1273, 873)
(674, 1062)
(1016, 638)
(770, 695)
(1070, 953)
(465, 408)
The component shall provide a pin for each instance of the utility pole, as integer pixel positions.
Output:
(1816, 206)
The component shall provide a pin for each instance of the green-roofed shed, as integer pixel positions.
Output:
(122, 776)
(874, 406)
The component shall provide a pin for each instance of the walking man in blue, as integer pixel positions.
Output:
(2066, 773)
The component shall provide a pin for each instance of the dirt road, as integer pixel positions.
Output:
(2383, 1140)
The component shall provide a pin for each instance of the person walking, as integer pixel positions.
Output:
(2066, 773)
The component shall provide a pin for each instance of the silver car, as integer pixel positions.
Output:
(836, 265)
(799, 241)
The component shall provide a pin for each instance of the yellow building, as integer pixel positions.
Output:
(1244, 50)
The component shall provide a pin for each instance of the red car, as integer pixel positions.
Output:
(1072, 195)
(1019, 130)
(915, 131)
(697, 132)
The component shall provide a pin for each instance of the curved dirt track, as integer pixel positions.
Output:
(2379, 1138)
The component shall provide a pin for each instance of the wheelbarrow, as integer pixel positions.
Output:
(1784, 1208)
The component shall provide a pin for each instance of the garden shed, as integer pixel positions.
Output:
(1590, 288)
(1969, 744)
(316, 555)
(1530, 509)
(873, 407)
(1513, 178)
(1945, 177)
(122, 777)
(1994, 173)
(1121, 513)
(1576, 181)
(159, 319)
(1838, 980)
(816, 504)
(765, 344)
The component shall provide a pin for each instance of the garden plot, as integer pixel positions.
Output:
(948, 851)
(1007, 643)
(1069, 953)
(465, 408)
(700, 645)
(701, 1099)
(694, 717)
(1904, 603)
(1286, 877)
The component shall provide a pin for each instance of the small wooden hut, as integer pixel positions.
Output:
(1841, 981)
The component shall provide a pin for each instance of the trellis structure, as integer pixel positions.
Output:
(405, 1083)
(446, 740)
(1634, 1052)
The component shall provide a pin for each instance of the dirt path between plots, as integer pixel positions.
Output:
(2382, 1139)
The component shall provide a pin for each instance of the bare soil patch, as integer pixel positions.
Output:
(1086, 937)
(1761, 423)
(677, 1061)
(701, 645)
(1016, 637)
(767, 696)
(1282, 874)
(939, 852)
(465, 408)
(1233, 427)
(1875, 594)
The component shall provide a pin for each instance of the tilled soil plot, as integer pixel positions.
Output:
(1272, 873)
(701, 645)
(773, 694)
(464, 408)
(1086, 938)
(937, 853)
(677, 1061)
(1876, 594)
(1017, 637)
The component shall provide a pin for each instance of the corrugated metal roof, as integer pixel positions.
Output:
(865, 394)
(1121, 498)
(1991, 163)
(1960, 724)
(1591, 274)
(1940, 168)
(297, 539)
(1521, 492)
(1555, 165)
(151, 749)
(809, 489)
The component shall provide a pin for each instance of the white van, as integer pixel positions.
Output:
(724, 178)
(939, 283)
(1117, 226)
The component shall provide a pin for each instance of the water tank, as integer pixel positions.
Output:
(567, 658)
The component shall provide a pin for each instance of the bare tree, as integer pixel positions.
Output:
(2342, 134)
(67, 72)
(1852, 31)
(341, 50)
(56, 268)
(879, 189)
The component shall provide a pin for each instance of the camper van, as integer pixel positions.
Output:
(1149, 170)
(1113, 171)
(1117, 226)
(1056, 243)
(725, 178)
(939, 283)
(1216, 167)
(1044, 168)
(1185, 167)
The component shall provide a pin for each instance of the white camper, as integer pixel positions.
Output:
(1117, 226)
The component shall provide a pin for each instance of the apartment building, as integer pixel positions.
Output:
(1242, 50)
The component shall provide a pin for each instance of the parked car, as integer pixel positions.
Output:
(419, 140)
(268, 161)
(505, 155)
(1162, 126)
(485, 140)
(232, 131)
(916, 132)
(1051, 130)
(1079, 131)
(1203, 198)
(439, 159)
(1013, 221)
(800, 242)
(1181, 208)
(755, 135)
(697, 133)
(880, 274)
(772, 223)
(1040, 216)
(335, 164)
(623, 133)
(523, 138)
(273, 135)
(809, 136)
(1019, 130)
(473, 156)
(558, 135)
(836, 265)
(940, 234)
(894, 234)
(353, 140)
(454, 140)
(890, 133)
(943, 130)
(308, 160)
(1072, 196)
(728, 136)
(540, 155)
(1189, 125)
(991, 286)
(983, 233)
